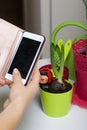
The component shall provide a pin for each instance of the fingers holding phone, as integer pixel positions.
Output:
(26, 55)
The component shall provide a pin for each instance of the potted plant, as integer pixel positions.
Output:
(56, 95)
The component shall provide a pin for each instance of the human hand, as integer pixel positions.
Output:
(4, 82)
(18, 99)
(22, 95)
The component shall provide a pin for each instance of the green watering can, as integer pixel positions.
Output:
(69, 63)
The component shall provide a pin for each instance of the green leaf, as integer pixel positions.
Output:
(55, 60)
(67, 48)
(59, 44)
(61, 63)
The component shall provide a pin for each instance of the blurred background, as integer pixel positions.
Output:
(42, 16)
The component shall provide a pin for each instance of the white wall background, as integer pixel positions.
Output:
(68, 10)
(47, 14)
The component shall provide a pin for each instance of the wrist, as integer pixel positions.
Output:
(11, 115)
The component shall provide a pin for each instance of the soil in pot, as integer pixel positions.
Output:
(56, 87)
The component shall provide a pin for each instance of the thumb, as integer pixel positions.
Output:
(16, 76)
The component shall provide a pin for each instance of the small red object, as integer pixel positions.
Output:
(46, 71)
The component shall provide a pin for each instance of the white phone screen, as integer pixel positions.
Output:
(24, 56)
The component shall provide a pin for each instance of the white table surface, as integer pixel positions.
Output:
(35, 119)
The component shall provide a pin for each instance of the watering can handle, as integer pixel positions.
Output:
(70, 23)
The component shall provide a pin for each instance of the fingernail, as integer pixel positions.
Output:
(15, 70)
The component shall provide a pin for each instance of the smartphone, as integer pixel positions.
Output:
(26, 54)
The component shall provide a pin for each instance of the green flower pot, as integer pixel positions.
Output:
(56, 104)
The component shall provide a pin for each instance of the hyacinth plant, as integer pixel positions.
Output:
(59, 52)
